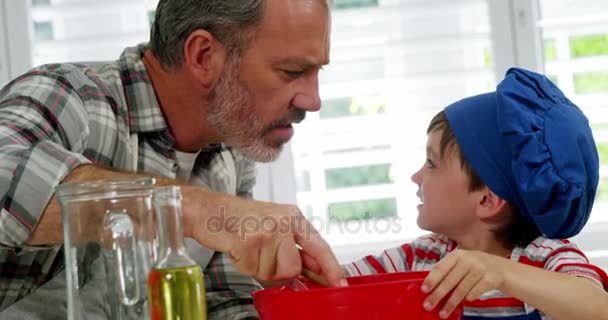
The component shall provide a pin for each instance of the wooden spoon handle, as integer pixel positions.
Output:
(319, 279)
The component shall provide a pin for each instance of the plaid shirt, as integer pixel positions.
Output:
(57, 117)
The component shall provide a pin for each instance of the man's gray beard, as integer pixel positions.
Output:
(232, 116)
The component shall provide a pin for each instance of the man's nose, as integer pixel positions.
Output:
(307, 98)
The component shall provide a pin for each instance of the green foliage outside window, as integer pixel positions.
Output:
(348, 4)
(357, 176)
(37, 3)
(599, 126)
(553, 79)
(43, 31)
(602, 149)
(590, 82)
(151, 15)
(550, 50)
(487, 57)
(602, 191)
(363, 210)
(588, 45)
(352, 106)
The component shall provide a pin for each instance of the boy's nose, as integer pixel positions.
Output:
(416, 177)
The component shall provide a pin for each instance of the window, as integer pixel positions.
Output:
(41, 2)
(85, 30)
(43, 31)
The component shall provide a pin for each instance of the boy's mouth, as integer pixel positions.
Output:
(420, 203)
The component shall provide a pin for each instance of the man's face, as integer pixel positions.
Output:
(275, 80)
(447, 206)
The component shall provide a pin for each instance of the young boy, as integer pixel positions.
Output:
(508, 175)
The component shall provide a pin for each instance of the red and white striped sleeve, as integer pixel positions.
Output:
(569, 259)
(420, 254)
(390, 260)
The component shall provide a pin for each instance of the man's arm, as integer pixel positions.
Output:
(228, 292)
(44, 129)
(216, 221)
(48, 231)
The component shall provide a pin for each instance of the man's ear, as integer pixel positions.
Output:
(204, 57)
(490, 204)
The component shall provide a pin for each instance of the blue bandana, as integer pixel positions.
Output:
(534, 148)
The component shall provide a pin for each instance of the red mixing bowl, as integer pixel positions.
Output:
(382, 297)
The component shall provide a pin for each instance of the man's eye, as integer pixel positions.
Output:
(429, 163)
(293, 74)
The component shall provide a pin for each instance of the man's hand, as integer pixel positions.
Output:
(467, 274)
(259, 237)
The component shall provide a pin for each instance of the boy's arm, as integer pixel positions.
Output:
(390, 260)
(558, 295)
(568, 287)
(419, 254)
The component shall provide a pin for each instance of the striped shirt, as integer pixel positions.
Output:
(57, 117)
(424, 252)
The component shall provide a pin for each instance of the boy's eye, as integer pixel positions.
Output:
(429, 163)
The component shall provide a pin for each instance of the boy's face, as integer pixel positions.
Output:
(447, 206)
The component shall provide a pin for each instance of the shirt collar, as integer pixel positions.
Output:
(144, 109)
(145, 115)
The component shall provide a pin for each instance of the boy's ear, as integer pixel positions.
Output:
(490, 204)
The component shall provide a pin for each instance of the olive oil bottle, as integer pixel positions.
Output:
(176, 288)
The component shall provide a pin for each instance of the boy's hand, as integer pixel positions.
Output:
(467, 274)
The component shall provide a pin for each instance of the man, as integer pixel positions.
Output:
(220, 84)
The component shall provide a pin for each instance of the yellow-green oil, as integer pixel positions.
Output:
(177, 294)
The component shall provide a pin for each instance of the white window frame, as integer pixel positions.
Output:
(4, 64)
(515, 39)
(15, 45)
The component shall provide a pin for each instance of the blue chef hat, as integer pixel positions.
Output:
(533, 147)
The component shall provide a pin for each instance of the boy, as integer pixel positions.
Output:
(508, 175)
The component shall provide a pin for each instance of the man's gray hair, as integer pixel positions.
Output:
(231, 22)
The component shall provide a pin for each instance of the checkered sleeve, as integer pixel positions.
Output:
(228, 292)
(42, 123)
(569, 259)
